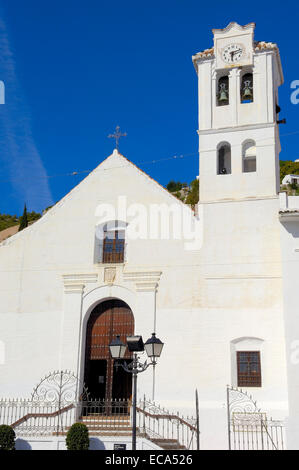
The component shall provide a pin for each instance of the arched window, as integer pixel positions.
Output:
(246, 355)
(223, 91)
(246, 89)
(224, 159)
(110, 242)
(249, 157)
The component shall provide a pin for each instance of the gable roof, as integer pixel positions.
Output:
(108, 163)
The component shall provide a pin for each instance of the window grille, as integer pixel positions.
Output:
(249, 369)
(114, 246)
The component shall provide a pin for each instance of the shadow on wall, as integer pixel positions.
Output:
(96, 444)
(291, 227)
(21, 444)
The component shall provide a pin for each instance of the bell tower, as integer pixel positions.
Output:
(239, 145)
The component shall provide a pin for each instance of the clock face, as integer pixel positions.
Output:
(232, 53)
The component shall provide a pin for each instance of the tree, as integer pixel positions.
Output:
(33, 216)
(174, 186)
(24, 220)
(193, 195)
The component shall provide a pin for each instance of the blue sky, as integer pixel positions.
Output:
(74, 69)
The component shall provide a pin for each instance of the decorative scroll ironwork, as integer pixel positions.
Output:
(248, 427)
(241, 402)
(61, 387)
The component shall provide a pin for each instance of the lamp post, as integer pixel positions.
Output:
(153, 348)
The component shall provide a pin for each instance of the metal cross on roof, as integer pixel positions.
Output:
(117, 135)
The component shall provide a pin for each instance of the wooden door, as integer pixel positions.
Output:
(108, 319)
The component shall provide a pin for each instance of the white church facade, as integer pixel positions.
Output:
(120, 255)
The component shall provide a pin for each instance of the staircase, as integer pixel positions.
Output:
(120, 425)
(168, 431)
(115, 425)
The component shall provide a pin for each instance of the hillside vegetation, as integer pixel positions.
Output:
(287, 167)
(7, 220)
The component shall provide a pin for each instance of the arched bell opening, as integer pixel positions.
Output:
(246, 90)
(223, 91)
(103, 379)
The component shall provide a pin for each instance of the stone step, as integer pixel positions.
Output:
(99, 433)
(104, 417)
(107, 428)
(168, 444)
(107, 424)
(122, 426)
(99, 419)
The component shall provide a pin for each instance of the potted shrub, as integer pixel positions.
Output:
(77, 437)
(7, 437)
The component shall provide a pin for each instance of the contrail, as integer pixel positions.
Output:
(18, 152)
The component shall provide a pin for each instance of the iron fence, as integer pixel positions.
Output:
(253, 431)
(41, 419)
(102, 417)
(248, 427)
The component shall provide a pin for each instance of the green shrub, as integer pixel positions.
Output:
(7, 437)
(77, 437)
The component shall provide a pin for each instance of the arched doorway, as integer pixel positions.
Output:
(102, 378)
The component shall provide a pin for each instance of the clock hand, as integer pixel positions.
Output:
(235, 52)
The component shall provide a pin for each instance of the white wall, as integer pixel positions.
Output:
(290, 264)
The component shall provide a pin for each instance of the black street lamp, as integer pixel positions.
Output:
(117, 348)
(153, 348)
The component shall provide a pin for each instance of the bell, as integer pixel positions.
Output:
(223, 96)
(247, 93)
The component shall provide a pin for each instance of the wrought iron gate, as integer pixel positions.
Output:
(248, 427)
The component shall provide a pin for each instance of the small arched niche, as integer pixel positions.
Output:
(224, 158)
(249, 156)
